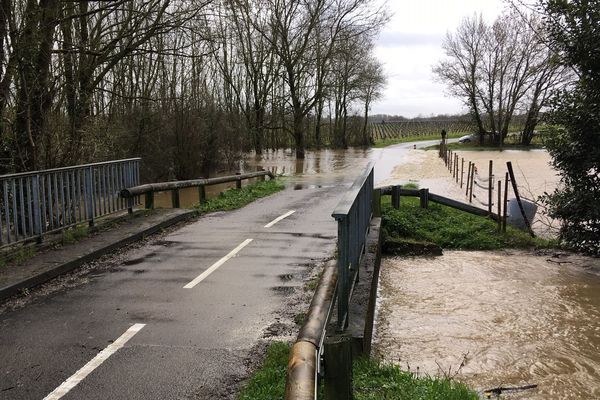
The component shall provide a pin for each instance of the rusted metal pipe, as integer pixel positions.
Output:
(301, 377)
(304, 356)
(316, 318)
(165, 186)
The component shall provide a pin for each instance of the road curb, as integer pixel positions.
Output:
(38, 279)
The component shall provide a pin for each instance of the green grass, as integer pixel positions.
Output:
(268, 383)
(22, 254)
(452, 229)
(75, 234)
(236, 198)
(374, 381)
(434, 136)
(411, 185)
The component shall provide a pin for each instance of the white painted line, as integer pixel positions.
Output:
(94, 363)
(216, 265)
(276, 220)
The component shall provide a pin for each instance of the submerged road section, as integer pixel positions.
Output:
(176, 318)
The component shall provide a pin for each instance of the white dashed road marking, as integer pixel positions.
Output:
(216, 265)
(94, 363)
(276, 220)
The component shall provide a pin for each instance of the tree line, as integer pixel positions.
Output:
(186, 84)
(502, 70)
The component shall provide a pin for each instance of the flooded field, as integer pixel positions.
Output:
(510, 318)
(513, 318)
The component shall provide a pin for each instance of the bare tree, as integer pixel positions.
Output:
(371, 83)
(498, 70)
(460, 70)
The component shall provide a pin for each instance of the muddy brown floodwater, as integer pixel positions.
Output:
(515, 318)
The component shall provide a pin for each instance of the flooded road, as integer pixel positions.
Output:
(514, 319)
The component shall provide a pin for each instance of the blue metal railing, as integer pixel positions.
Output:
(39, 202)
(353, 215)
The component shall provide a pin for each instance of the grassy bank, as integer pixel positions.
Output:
(450, 228)
(375, 381)
(237, 198)
(268, 382)
(372, 381)
(434, 136)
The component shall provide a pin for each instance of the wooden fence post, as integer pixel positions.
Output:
(490, 187)
(471, 183)
(499, 201)
(462, 171)
(468, 179)
(505, 202)
(516, 191)
(456, 168)
(396, 196)
(424, 198)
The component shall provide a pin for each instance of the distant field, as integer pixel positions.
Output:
(411, 128)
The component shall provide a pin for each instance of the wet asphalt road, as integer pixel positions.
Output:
(194, 341)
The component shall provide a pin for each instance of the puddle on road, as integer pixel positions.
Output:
(518, 319)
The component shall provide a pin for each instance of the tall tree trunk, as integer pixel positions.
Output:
(299, 133)
(33, 94)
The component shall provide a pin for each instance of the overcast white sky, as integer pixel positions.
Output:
(412, 43)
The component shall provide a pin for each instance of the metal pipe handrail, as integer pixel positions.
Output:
(175, 185)
(304, 363)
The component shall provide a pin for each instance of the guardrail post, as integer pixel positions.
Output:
(377, 202)
(202, 194)
(175, 198)
(149, 200)
(424, 197)
(338, 368)
(238, 181)
(396, 196)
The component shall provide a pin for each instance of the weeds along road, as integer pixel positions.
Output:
(175, 318)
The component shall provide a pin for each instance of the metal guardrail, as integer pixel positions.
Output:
(35, 203)
(353, 215)
(304, 364)
(150, 188)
